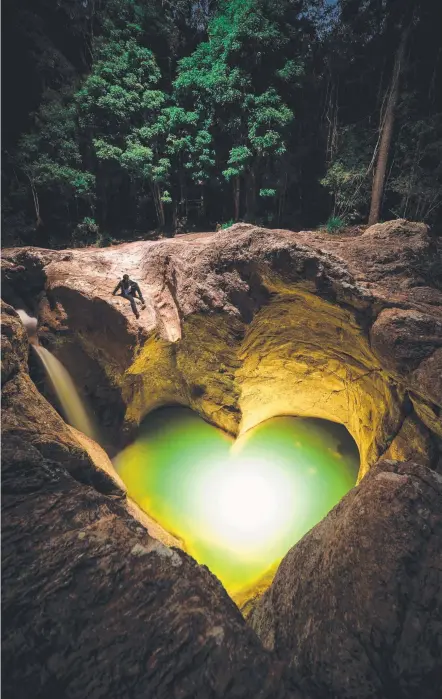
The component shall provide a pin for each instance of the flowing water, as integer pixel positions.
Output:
(70, 402)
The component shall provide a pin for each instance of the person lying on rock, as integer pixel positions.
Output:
(130, 290)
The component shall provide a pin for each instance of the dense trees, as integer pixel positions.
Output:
(384, 110)
(235, 81)
(133, 116)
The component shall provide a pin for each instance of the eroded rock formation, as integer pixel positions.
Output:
(28, 415)
(94, 607)
(356, 605)
(92, 604)
(240, 326)
(249, 323)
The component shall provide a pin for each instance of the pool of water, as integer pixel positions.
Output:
(239, 505)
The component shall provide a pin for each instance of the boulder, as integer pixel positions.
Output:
(356, 605)
(93, 606)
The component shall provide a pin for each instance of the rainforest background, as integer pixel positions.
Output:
(134, 118)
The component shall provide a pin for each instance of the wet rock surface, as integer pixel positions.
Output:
(27, 414)
(356, 605)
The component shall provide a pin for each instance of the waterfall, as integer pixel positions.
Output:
(71, 404)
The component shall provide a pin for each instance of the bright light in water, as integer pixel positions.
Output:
(246, 503)
(238, 506)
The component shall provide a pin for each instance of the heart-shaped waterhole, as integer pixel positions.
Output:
(238, 505)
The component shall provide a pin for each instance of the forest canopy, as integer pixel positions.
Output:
(126, 118)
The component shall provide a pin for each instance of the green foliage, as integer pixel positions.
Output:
(120, 105)
(86, 233)
(161, 115)
(290, 71)
(239, 157)
(416, 175)
(121, 87)
(48, 167)
(166, 198)
(414, 185)
(227, 224)
(348, 177)
(50, 156)
(334, 223)
(231, 80)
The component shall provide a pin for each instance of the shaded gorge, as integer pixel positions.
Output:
(238, 506)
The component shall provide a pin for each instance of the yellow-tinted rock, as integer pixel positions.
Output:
(249, 323)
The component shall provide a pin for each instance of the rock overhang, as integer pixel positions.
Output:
(248, 324)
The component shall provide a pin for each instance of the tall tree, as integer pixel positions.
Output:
(235, 79)
(137, 115)
(120, 111)
(386, 129)
(382, 65)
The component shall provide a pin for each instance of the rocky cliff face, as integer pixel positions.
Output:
(93, 604)
(240, 326)
(248, 323)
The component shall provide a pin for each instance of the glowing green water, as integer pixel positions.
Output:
(238, 506)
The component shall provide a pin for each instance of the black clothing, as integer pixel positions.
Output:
(129, 290)
(127, 286)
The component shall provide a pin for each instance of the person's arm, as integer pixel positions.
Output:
(138, 290)
(116, 288)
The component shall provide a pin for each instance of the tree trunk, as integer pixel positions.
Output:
(161, 210)
(202, 209)
(103, 201)
(181, 206)
(38, 221)
(159, 205)
(331, 117)
(236, 197)
(251, 196)
(282, 198)
(386, 133)
(155, 200)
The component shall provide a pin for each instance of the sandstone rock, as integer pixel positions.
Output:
(93, 607)
(27, 414)
(357, 603)
(249, 323)
(14, 344)
(405, 341)
(413, 441)
(240, 326)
